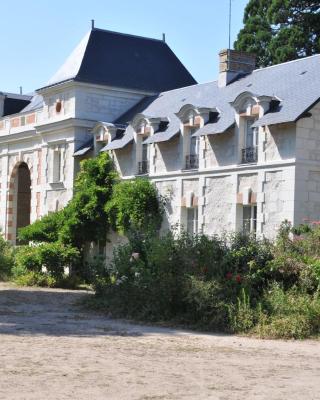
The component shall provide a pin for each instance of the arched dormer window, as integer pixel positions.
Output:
(191, 121)
(247, 109)
(143, 129)
(103, 133)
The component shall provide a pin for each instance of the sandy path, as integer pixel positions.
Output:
(50, 349)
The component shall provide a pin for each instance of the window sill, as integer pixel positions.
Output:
(57, 185)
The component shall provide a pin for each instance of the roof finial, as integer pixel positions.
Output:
(20, 89)
(92, 24)
(164, 37)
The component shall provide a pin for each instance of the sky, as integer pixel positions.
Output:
(36, 36)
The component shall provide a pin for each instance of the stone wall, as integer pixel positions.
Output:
(218, 208)
(307, 182)
(168, 156)
(280, 142)
(220, 150)
(124, 162)
(169, 190)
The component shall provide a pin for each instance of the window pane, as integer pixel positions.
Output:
(246, 217)
(249, 133)
(194, 146)
(192, 220)
(145, 152)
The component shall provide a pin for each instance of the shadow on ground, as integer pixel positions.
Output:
(55, 312)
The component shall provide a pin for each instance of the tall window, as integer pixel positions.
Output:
(192, 220)
(249, 153)
(143, 165)
(249, 219)
(56, 166)
(192, 159)
(251, 138)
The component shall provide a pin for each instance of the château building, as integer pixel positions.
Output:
(238, 153)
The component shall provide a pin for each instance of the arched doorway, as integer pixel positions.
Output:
(23, 208)
(19, 205)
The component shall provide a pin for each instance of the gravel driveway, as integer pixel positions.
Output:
(51, 349)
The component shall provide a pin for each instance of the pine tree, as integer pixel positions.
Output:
(280, 30)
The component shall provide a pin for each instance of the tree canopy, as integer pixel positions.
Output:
(280, 30)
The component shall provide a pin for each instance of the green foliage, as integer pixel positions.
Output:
(241, 314)
(6, 259)
(85, 219)
(33, 278)
(45, 229)
(134, 206)
(280, 30)
(193, 279)
(235, 283)
(289, 314)
(53, 256)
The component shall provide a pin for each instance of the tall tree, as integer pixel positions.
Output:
(280, 30)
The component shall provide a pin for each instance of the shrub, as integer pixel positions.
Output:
(289, 314)
(53, 256)
(6, 259)
(134, 206)
(33, 278)
(207, 304)
(241, 314)
(45, 229)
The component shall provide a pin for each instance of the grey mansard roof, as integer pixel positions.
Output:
(295, 84)
(125, 61)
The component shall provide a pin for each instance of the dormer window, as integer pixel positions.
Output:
(143, 149)
(192, 159)
(249, 152)
(143, 165)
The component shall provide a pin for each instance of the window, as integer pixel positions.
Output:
(249, 153)
(249, 219)
(56, 166)
(192, 159)
(143, 165)
(192, 220)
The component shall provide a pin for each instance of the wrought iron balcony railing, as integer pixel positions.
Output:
(249, 155)
(143, 167)
(192, 161)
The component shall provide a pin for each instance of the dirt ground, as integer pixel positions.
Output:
(51, 349)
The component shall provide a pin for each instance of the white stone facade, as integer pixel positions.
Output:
(45, 140)
(283, 183)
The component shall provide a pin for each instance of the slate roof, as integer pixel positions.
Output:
(35, 103)
(14, 103)
(125, 61)
(84, 148)
(296, 84)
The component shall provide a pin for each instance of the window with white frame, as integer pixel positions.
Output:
(249, 219)
(192, 220)
(192, 158)
(249, 152)
(57, 165)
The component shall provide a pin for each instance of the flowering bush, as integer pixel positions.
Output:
(235, 284)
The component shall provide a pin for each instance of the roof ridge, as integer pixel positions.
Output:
(287, 62)
(189, 86)
(128, 34)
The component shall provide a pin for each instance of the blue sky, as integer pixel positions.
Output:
(36, 36)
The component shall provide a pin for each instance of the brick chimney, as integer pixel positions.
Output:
(232, 63)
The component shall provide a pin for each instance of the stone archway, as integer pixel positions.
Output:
(19, 201)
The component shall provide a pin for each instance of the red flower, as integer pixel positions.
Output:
(238, 278)
(229, 275)
(205, 270)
